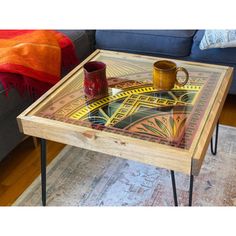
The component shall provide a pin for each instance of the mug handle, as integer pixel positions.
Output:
(186, 79)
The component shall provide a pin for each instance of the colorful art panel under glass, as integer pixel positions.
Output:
(133, 107)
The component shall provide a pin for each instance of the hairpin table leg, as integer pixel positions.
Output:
(214, 149)
(190, 191)
(174, 187)
(175, 192)
(43, 170)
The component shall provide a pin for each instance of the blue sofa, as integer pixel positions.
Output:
(180, 44)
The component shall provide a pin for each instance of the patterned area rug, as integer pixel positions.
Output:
(78, 177)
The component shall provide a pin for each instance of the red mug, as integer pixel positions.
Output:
(95, 81)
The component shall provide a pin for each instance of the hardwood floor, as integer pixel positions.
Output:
(19, 169)
(228, 114)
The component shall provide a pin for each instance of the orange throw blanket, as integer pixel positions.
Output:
(31, 60)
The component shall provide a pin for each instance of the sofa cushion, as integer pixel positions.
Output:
(81, 40)
(224, 56)
(176, 43)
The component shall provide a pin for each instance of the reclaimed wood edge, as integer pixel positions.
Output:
(95, 132)
(204, 140)
(207, 112)
(110, 143)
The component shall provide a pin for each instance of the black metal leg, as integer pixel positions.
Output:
(43, 170)
(214, 149)
(174, 187)
(190, 191)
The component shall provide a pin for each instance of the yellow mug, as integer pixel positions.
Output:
(165, 75)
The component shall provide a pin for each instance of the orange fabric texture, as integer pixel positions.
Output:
(36, 54)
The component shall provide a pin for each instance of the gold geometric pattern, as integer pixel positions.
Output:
(135, 102)
(136, 94)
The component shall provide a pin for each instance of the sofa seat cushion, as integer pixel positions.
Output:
(176, 43)
(224, 56)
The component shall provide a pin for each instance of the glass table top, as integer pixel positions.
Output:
(133, 107)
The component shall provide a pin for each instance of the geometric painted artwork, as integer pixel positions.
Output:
(133, 107)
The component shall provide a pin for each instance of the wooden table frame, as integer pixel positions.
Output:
(185, 161)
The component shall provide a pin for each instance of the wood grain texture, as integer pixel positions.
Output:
(109, 143)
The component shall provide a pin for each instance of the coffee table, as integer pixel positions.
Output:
(166, 129)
